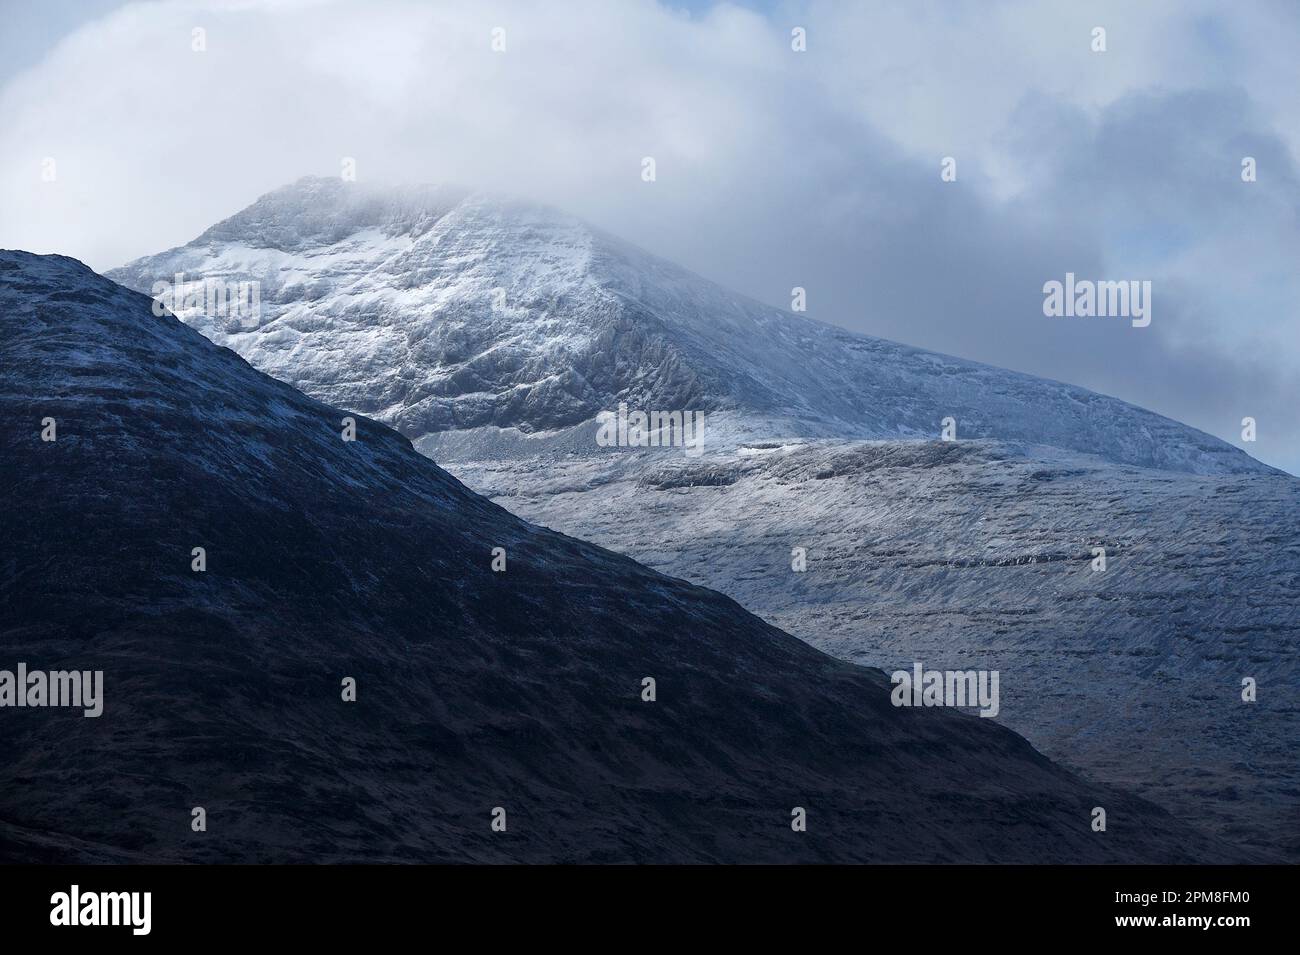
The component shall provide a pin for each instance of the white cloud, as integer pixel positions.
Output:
(775, 168)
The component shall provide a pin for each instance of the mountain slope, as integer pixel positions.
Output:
(384, 301)
(329, 559)
(974, 555)
(438, 311)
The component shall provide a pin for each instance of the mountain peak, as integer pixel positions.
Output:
(328, 560)
(316, 211)
(438, 310)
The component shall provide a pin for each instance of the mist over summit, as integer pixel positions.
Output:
(440, 310)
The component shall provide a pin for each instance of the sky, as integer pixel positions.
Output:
(775, 168)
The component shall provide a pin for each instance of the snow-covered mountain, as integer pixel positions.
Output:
(975, 555)
(491, 332)
(475, 689)
(441, 312)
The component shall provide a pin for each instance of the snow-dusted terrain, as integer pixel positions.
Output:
(437, 311)
(973, 555)
(492, 332)
(475, 689)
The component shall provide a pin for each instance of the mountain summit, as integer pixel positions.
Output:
(437, 310)
(492, 332)
(516, 693)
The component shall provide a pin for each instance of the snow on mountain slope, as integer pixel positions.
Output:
(975, 555)
(922, 551)
(438, 311)
(475, 689)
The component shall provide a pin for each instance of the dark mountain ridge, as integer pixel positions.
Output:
(522, 690)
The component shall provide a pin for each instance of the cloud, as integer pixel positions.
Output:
(775, 168)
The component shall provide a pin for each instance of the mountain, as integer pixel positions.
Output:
(981, 549)
(442, 313)
(328, 559)
(972, 555)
